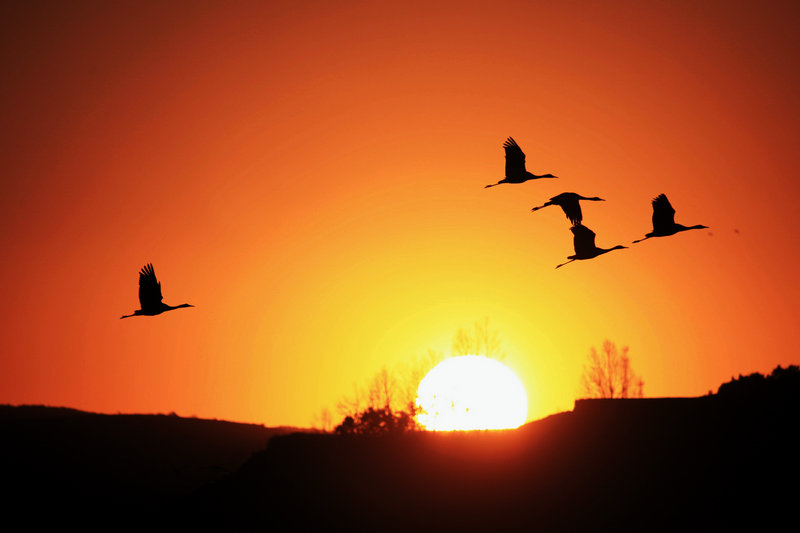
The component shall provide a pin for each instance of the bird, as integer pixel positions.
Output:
(569, 202)
(150, 295)
(515, 165)
(584, 244)
(664, 220)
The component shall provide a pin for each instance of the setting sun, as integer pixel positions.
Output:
(471, 392)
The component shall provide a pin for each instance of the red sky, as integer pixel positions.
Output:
(310, 175)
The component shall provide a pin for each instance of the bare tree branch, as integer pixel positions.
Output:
(480, 340)
(610, 375)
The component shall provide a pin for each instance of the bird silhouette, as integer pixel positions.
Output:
(515, 165)
(664, 220)
(584, 245)
(150, 295)
(569, 202)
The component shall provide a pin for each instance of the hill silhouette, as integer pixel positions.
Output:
(711, 462)
(623, 464)
(61, 459)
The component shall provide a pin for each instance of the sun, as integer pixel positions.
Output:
(471, 392)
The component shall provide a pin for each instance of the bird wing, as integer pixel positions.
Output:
(583, 240)
(149, 288)
(663, 213)
(571, 206)
(515, 159)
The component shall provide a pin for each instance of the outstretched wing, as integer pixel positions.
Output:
(583, 240)
(663, 214)
(149, 289)
(515, 159)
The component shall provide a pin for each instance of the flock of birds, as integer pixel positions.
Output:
(150, 297)
(663, 213)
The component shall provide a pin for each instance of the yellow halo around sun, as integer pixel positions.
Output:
(471, 392)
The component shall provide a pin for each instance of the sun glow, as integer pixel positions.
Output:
(471, 392)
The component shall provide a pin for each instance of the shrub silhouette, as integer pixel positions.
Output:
(783, 383)
(388, 403)
(377, 421)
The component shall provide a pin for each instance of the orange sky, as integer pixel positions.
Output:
(310, 176)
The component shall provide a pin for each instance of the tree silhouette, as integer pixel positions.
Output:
(480, 340)
(323, 421)
(782, 383)
(388, 402)
(382, 392)
(609, 374)
(412, 372)
(382, 389)
(379, 421)
(381, 408)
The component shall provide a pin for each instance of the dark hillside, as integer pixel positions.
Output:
(64, 458)
(713, 462)
(640, 465)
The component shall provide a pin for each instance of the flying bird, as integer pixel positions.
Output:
(664, 220)
(150, 295)
(569, 202)
(584, 244)
(515, 165)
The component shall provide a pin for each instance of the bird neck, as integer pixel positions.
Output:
(681, 227)
(617, 247)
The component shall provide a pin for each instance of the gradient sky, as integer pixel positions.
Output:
(311, 176)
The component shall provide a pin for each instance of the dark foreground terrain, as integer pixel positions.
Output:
(63, 463)
(682, 464)
(610, 465)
